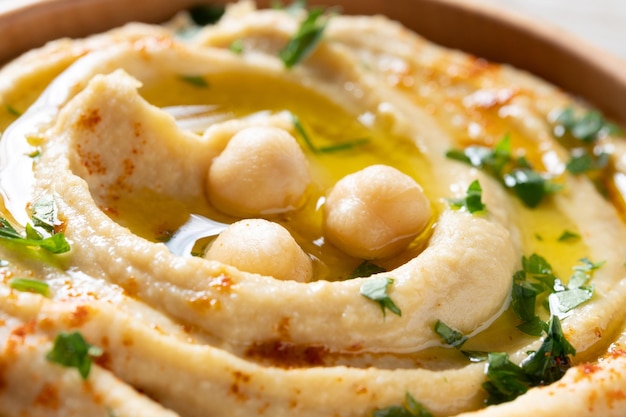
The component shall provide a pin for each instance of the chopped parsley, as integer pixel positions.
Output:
(537, 279)
(12, 110)
(236, 46)
(514, 173)
(306, 138)
(45, 214)
(366, 269)
(587, 127)
(72, 350)
(306, 38)
(450, 337)
(473, 199)
(376, 289)
(54, 244)
(30, 285)
(195, 80)
(411, 408)
(506, 380)
(568, 236)
(206, 14)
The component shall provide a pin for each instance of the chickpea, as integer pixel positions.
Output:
(262, 247)
(262, 170)
(375, 212)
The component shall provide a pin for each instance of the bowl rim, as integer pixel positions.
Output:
(484, 30)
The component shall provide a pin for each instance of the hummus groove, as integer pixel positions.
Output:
(161, 317)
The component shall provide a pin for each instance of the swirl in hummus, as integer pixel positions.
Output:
(220, 207)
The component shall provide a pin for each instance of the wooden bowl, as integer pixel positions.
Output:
(488, 32)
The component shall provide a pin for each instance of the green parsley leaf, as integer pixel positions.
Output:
(450, 337)
(579, 164)
(55, 244)
(411, 408)
(195, 80)
(30, 285)
(306, 39)
(206, 14)
(236, 46)
(45, 214)
(550, 362)
(529, 186)
(505, 380)
(473, 199)
(514, 173)
(366, 269)
(324, 149)
(568, 236)
(375, 289)
(12, 110)
(72, 351)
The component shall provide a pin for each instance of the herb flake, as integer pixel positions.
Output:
(30, 285)
(72, 350)
(450, 337)
(306, 38)
(473, 199)
(411, 408)
(376, 289)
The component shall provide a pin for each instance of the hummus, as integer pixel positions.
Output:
(220, 205)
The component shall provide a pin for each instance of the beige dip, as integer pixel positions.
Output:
(131, 138)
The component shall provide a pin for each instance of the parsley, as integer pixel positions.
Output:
(30, 285)
(587, 127)
(306, 39)
(537, 279)
(450, 337)
(236, 46)
(514, 173)
(583, 161)
(12, 110)
(506, 380)
(568, 236)
(366, 269)
(292, 9)
(411, 408)
(375, 289)
(195, 80)
(72, 351)
(306, 138)
(55, 244)
(45, 214)
(472, 201)
(206, 14)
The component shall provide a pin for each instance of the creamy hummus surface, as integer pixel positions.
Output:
(294, 212)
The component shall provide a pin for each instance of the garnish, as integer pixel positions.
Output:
(293, 8)
(587, 127)
(450, 337)
(366, 269)
(306, 39)
(12, 110)
(55, 244)
(576, 292)
(515, 173)
(236, 46)
(411, 408)
(375, 289)
(206, 14)
(506, 380)
(472, 201)
(45, 214)
(72, 351)
(568, 236)
(30, 285)
(306, 138)
(195, 80)
(537, 279)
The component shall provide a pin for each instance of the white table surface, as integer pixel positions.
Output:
(602, 22)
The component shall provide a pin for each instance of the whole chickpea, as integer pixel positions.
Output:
(262, 247)
(262, 170)
(375, 212)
